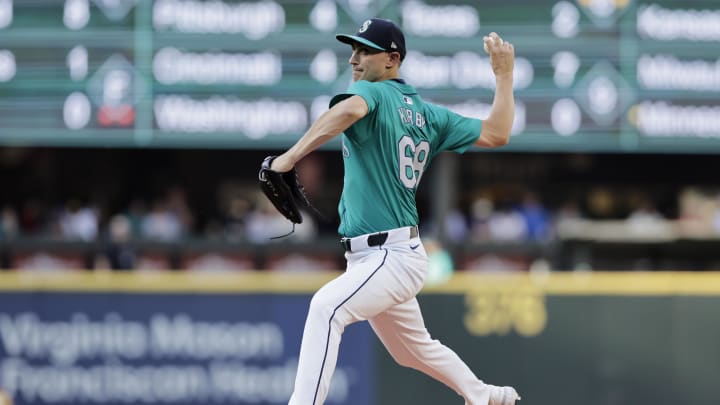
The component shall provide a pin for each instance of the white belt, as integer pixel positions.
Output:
(369, 240)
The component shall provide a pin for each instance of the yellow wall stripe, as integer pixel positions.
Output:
(555, 283)
(165, 282)
(593, 283)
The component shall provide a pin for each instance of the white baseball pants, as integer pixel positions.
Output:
(379, 285)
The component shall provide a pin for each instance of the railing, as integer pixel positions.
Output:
(588, 246)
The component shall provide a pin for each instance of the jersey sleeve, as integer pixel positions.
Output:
(371, 93)
(460, 132)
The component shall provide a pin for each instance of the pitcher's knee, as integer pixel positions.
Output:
(325, 308)
(321, 305)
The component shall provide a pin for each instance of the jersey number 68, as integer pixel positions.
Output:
(412, 159)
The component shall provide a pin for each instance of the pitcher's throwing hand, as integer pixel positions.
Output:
(502, 54)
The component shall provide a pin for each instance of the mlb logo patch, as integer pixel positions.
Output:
(407, 100)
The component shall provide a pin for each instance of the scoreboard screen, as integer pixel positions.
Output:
(590, 75)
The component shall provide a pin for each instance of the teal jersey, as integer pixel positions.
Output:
(387, 151)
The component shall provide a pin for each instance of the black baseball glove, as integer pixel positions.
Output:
(283, 190)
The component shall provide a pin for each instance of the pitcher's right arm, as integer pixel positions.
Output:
(496, 128)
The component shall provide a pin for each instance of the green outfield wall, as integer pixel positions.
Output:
(595, 339)
(560, 338)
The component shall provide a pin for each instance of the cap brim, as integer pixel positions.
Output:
(349, 39)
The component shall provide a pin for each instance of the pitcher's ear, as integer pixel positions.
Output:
(394, 57)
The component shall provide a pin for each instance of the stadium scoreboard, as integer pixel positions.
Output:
(590, 75)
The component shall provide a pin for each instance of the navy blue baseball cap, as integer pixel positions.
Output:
(380, 34)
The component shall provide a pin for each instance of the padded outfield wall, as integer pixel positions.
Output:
(184, 338)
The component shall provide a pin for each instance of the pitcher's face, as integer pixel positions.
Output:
(371, 64)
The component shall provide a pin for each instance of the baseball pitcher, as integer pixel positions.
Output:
(390, 135)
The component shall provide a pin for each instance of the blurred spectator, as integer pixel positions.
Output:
(161, 223)
(646, 222)
(177, 204)
(507, 224)
(456, 227)
(120, 254)
(237, 212)
(136, 212)
(568, 210)
(480, 212)
(697, 211)
(170, 218)
(78, 222)
(8, 223)
(566, 216)
(644, 212)
(234, 207)
(601, 203)
(537, 217)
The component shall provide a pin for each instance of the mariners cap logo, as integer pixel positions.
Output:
(365, 26)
